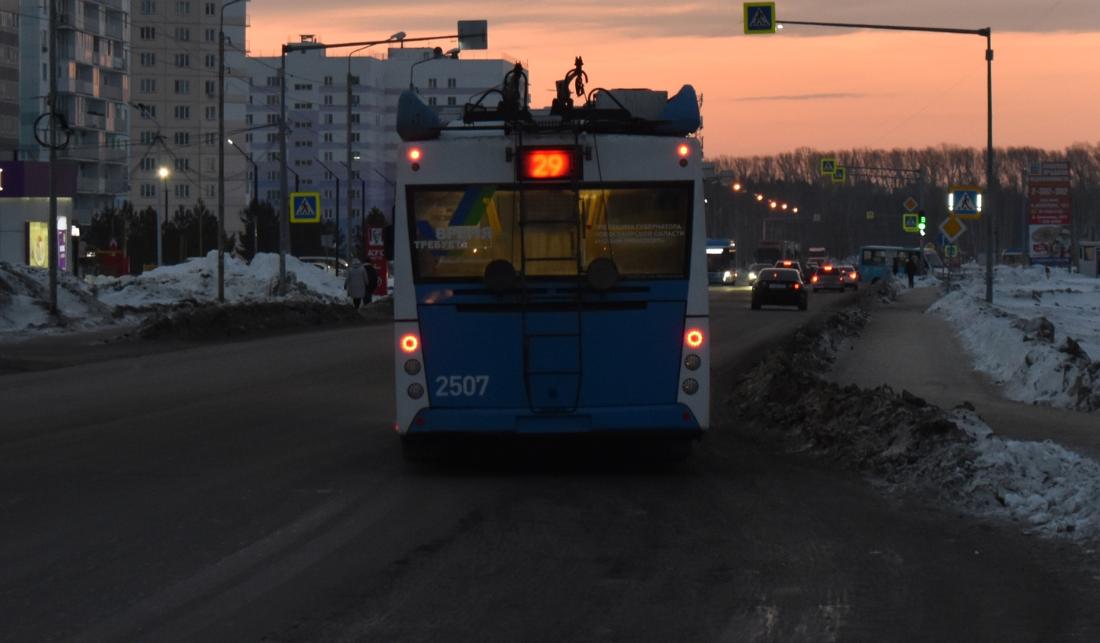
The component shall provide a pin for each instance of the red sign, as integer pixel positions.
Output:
(376, 255)
(1048, 201)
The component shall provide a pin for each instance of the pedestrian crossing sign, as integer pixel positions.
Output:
(305, 207)
(759, 17)
(965, 201)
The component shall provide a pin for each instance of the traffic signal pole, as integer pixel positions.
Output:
(986, 33)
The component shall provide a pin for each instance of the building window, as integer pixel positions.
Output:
(183, 86)
(148, 7)
(451, 100)
(211, 112)
(211, 9)
(431, 100)
(183, 7)
(272, 81)
(273, 100)
(147, 33)
(148, 189)
(183, 165)
(328, 99)
(272, 137)
(328, 119)
(452, 83)
(210, 35)
(182, 112)
(182, 138)
(211, 138)
(328, 137)
(303, 105)
(355, 118)
(148, 85)
(183, 191)
(183, 60)
(148, 163)
(431, 83)
(303, 86)
(147, 59)
(355, 137)
(272, 119)
(328, 81)
(211, 61)
(211, 88)
(328, 157)
(183, 34)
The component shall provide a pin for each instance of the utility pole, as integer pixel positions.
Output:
(221, 154)
(51, 107)
(284, 197)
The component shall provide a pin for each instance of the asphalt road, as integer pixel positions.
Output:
(253, 491)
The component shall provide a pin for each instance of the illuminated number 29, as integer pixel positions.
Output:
(548, 164)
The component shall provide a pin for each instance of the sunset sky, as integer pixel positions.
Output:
(805, 86)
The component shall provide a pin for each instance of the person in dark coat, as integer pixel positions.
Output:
(911, 269)
(355, 283)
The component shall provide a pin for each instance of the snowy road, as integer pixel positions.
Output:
(252, 491)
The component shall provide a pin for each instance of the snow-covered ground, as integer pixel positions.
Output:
(1010, 341)
(108, 300)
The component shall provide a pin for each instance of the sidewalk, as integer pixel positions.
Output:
(907, 349)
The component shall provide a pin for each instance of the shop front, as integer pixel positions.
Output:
(25, 213)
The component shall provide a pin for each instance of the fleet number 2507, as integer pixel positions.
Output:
(461, 385)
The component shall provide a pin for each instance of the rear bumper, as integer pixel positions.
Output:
(665, 419)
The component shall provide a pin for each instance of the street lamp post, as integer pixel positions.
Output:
(221, 153)
(163, 173)
(255, 196)
(472, 34)
(336, 219)
(397, 37)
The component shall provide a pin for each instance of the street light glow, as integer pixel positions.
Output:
(736, 187)
(759, 197)
(784, 206)
(163, 172)
(795, 210)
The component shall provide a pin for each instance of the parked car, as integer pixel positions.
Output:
(779, 287)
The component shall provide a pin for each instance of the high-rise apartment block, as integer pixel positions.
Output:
(9, 79)
(317, 119)
(175, 97)
(93, 92)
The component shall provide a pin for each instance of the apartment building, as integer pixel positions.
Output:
(317, 119)
(175, 105)
(9, 80)
(93, 92)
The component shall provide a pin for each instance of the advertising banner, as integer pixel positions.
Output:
(1049, 214)
(376, 255)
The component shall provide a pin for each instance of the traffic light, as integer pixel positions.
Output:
(922, 223)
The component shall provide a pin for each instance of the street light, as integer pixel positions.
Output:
(397, 37)
(255, 196)
(221, 153)
(437, 54)
(736, 187)
(163, 173)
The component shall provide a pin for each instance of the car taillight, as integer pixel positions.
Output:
(854, 275)
(813, 279)
(796, 286)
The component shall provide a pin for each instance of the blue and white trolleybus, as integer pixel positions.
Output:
(551, 268)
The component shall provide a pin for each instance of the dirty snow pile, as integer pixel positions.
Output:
(1040, 339)
(196, 281)
(24, 302)
(903, 443)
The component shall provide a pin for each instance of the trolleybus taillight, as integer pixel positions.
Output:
(409, 343)
(694, 338)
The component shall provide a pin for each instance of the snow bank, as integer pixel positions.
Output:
(24, 302)
(1039, 337)
(1040, 484)
(196, 281)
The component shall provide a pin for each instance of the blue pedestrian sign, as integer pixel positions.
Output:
(965, 201)
(305, 207)
(759, 17)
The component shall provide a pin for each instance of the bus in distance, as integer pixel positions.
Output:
(550, 270)
(721, 261)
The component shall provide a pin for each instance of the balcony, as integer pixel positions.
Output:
(89, 185)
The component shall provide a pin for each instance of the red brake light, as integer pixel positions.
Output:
(854, 275)
(415, 154)
(828, 268)
(813, 279)
(683, 150)
(787, 263)
(796, 285)
(409, 343)
(694, 338)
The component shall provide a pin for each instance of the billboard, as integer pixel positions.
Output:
(1050, 236)
(38, 252)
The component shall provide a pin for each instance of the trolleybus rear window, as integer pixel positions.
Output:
(456, 231)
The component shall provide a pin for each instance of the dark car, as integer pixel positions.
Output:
(792, 264)
(828, 276)
(850, 276)
(779, 287)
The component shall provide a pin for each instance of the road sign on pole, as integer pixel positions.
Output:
(827, 166)
(839, 174)
(909, 222)
(952, 227)
(910, 204)
(759, 17)
(965, 201)
(305, 207)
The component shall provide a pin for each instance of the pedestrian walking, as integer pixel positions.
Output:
(355, 283)
(910, 269)
(372, 282)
